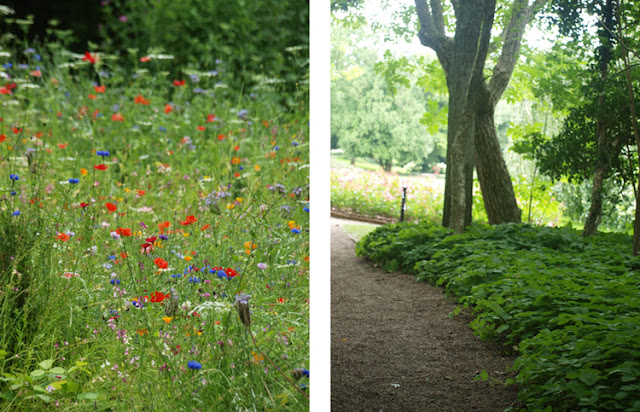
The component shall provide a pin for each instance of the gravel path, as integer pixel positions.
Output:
(394, 347)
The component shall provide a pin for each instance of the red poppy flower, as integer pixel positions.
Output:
(158, 296)
(201, 128)
(124, 232)
(88, 57)
(179, 83)
(5, 90)
(151, 239)
(211, 118)
(205, 227)
(111, 207)
(83, 205)
(140, 100)
(101, 167)
(145, 59)
(161, 263)
(63, 236)
(92, 96)
(230, 272)
(63, 145)
(36, 73)
(117, 117)
(2, 138)
(163, 225)
(189, 220)
(100, 89)
(141, 192)
(16, 130)
(168, 108)
(221, 137)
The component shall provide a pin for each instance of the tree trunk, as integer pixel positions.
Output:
(471, 135)
(595, 210)
(634, 122)
(467, 58)
(495, 183)
(604, 58)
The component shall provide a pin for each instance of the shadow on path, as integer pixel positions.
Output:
(394, 347)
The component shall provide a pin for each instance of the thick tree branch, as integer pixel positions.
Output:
(522, 14)
(431, 32)
(438, 16)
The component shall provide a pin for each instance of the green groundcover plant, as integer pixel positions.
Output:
(154, 240)
(568, 306)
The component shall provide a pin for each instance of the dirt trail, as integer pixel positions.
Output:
(394, 347)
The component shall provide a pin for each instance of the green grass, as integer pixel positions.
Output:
(358, 231)
(123, 289)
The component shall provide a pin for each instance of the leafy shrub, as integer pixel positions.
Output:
(567, 305)
(256, 41)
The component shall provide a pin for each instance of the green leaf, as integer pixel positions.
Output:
(57, 370)
(88, 396)
(71, 387)
(589, 376)
(46, 364)
(45, 398)
(37, 372)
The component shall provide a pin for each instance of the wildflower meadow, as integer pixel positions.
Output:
(154, 237)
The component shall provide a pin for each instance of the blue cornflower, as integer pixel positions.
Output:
(222, 275)
(103, 153)
(115, 281)
(16, 213)
(194, 280)
(112, 257)
(243, 114)
(163, 237)
(29, 50)
(73, 181)
(177, 275)
(162, 128)
(240, 167)
(13, 193)
(37, 57)
(294, 143)
(7, 65)
(295, 230)
(14, 177)
(306, 208)
(23, 66)
(194, 365)
(276, 148)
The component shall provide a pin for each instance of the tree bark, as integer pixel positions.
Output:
(495, 183)
(471, 135)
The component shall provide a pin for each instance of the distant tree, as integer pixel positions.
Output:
(368, 119)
